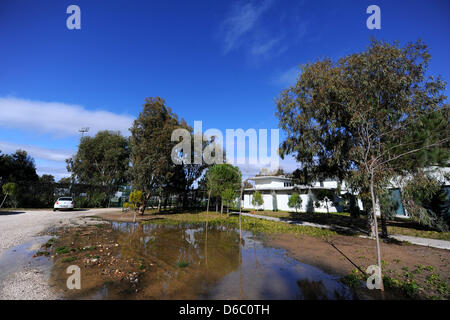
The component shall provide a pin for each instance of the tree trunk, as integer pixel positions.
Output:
(207, 206)
(1, 205)
(217, 206)
(374, 206)
(166, 199)
(159, 204)
(221, 205)
(384, 231)
(144, 204)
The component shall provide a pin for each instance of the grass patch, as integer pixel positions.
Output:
(62, 250)
(351, 280)
(183, 264)
(69, 259)
(254, 225)
(42, 253)
(419, 233)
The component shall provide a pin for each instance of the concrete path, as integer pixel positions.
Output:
(440, 244)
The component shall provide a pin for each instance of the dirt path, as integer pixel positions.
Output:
(400, 261)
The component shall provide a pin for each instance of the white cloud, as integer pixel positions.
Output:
(48, 161)
(36, 152)
(58, 119)
(241, 20)
(287, 77)
(268, 48)
(57, 171)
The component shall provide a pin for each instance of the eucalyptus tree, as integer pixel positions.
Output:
(152, 167)
(101, 160)
(353, 117)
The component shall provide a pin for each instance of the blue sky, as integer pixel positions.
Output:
(221, 62)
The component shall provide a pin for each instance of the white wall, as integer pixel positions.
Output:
(266, 183)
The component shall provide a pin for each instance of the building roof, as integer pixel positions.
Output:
(269, 177)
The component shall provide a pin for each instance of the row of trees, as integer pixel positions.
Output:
(145, 160)
(18, 178)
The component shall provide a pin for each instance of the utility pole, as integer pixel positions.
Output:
(83, 130)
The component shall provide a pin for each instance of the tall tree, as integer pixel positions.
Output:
(17, 167)
(354, 116)
(151, 148)
(101, 160)
(223, 179)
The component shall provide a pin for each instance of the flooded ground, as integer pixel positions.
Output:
(184, 261)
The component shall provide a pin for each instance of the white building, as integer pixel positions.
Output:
(276, 190)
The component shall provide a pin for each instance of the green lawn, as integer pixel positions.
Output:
(398, 226)
(248, 223)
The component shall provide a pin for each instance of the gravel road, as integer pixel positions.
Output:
(21, 227)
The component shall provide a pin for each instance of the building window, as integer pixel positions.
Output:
(288, 184)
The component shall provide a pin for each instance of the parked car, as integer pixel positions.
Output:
(64, 203)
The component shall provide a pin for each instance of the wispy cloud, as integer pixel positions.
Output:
(260, 30)
(241, 20)
(58, 171)
(48, 161)
(36, 152)
(58, 119)
(287, 77)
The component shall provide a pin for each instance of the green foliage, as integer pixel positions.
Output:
(354, 116)
(295, 201)
(254, 225)
(62, 250)
(224, 181)
(351, 280)
(98, 199)
(257, 199)
(427, 202)
(310, 204)
(19, 168)
(68, 259)
(9, 188)
(135, 200)
(100, 160)
(151, 147)
(387, 204)
(228, 196)
(223, 176)
(410, 288)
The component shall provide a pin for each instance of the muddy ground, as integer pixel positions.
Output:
(428, 267)
(418, 266)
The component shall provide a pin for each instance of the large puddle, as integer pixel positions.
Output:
(159, 261)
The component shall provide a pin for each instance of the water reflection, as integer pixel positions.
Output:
(211, 261)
